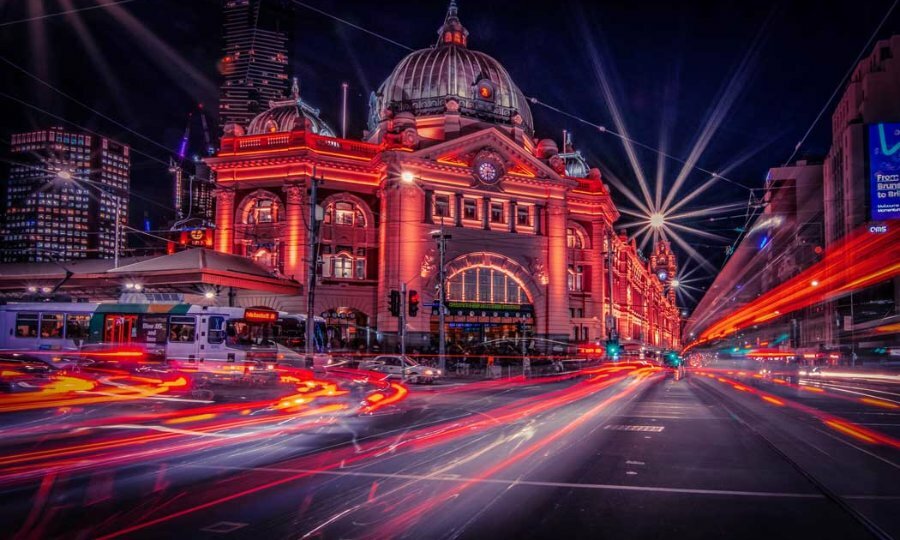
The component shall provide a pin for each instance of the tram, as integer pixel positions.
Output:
(202, 338)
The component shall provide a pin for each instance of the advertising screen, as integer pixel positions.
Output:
(884, 171)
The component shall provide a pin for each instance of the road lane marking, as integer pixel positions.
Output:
(622, 427)
(224, 527)
(513, 483)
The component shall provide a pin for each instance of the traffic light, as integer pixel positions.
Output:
(395, 303)
(612, 348)
(413, 303)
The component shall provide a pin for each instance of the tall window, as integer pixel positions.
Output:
(343, 266)
(576, 277)
(523, 216)
(485, 284)
(470, 209)
(442, 205)
(496, 212)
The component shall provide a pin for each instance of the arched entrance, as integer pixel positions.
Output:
(346, 329)
(488, 300)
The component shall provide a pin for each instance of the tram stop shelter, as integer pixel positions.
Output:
(203, 273)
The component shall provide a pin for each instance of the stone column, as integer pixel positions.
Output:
(558, 298)
(295, 239)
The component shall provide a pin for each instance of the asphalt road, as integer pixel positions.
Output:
(619, 453)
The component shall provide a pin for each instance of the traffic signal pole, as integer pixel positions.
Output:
(311, 272)
(403, 318)
(442, 294)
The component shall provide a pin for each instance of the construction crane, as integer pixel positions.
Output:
(177, 167)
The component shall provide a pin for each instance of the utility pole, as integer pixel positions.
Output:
(118, 231)
(402, 320)
(311, 270)
(442, 298)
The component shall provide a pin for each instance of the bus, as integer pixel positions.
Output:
(201, 338)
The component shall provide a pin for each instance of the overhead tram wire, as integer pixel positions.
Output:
(352, 25)
(66, 12)
(841, 82)
(82, 104)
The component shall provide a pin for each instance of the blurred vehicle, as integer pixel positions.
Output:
(195, 338)
(395, 365)
(289, 332)
(23, 373)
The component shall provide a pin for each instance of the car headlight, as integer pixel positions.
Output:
(429, 372)
(437, 372)
(270, 367)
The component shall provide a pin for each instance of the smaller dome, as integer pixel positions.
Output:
(290, 115)
(576, 165)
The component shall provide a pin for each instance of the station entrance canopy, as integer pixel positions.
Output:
(194, 271)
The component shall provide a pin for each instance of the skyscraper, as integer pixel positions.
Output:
(64, 192)
(255, 62)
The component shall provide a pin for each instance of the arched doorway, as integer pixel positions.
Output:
(347, 329)
(488, 301)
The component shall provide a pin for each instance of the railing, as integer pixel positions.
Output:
(271, 141)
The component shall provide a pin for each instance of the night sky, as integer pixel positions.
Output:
(669, 62)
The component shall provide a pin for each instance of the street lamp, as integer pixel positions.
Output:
(407, 177)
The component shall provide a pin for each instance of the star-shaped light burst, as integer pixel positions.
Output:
(665, 216)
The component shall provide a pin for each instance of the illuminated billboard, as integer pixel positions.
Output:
(884, 171)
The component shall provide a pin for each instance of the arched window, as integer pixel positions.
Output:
(485, 284)
(574, 238)
(261, 210)
(345, 213)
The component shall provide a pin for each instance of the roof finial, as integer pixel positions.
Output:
(451, 10)
(295, 89)
(452, 32)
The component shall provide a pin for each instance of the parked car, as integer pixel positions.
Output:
(395, 365)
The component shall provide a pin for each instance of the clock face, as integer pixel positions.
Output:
(662, 275)
(487, 172)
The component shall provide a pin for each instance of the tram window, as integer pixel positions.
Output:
(51, 325)
(216, 330)
(27, 325)
(78, 326)
(182, 329)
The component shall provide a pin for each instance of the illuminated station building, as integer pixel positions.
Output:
(450, 146)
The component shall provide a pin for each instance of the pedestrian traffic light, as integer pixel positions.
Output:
(395, 303)
(413, 303)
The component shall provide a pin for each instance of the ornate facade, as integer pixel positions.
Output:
(450, 147)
